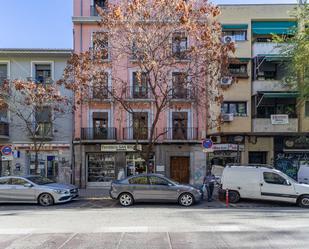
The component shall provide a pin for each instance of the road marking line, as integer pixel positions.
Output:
(169, 240)
(65, 242)
(120, 239)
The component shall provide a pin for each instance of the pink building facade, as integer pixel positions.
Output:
(104, 135)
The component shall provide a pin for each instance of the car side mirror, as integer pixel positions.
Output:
(28, 185)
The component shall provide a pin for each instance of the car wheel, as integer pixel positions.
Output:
(303, 201)
(186, 199)
(46, 199)
(234, 196)
(126, 199)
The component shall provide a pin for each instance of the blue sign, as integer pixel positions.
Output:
(6, 150)
(207, 143)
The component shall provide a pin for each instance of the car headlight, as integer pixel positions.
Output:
(59, 191)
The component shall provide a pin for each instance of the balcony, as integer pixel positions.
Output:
(182, 134)
(268, 86)
(99, 133)
(262, 48)
(141, 133)
(138, 93)
(182, 93)
(4, 130)
(101, 93)
(265, 125)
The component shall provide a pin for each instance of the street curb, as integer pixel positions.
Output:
(94, 198)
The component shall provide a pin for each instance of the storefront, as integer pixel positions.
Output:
(291, 153)
(224, 154)
(114, 161)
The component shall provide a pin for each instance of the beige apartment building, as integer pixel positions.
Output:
(260, 114)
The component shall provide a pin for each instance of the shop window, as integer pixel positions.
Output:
(180, 125)
(101, 167)
(43, 73)
(140, 125)
(139, 180)
(100, 45)
(100, 86)
(179, 45)
(140, 85)
(180, 85)
(307, 109)
(137, 165)
(238, 35)
(237, 108)
(257, 157)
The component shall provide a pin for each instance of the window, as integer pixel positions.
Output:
(18, 181)
(43, 73)
(140, 85)
(273, 178)
(3, 73)
(180, 88)
(238, 35)
(100, 87)
(180, 125)
(139, 180)
(237, 108)
(238, 69)
(307, 109)
(100, 45)
(43, 121)
(138, 51)
(100, 125)
(140, 125)
(5, 181)
(157, 181)
(179, 45)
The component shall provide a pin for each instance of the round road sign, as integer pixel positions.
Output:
(207, 143)
(6, 150)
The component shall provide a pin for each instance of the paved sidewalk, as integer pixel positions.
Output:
(94, 193)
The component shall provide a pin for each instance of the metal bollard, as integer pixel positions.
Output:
(227, 198)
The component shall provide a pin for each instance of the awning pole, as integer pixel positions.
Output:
(259, 101)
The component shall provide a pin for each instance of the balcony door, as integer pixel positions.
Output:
(100, 125)
(140, 125)
(180, 125)
(140, 86)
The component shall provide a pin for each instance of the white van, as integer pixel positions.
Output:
(264, 183)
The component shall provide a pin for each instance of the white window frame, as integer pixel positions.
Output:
(108, 42)
(109, 83)
(131, 71)
(130, 121)
(170, 123)
(34, 63)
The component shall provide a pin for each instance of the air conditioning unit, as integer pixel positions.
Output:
(228, 117)
(216, 139)
(228, 39)
(226, 81)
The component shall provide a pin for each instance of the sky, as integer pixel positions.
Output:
(48, 23)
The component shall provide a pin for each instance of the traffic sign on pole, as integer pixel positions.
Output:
(6, 150)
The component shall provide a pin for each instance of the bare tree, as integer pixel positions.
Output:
(33, 108)
(155, 38)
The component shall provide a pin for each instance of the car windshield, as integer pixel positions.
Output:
(39, 180)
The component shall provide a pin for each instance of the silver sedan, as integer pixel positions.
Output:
(153, 187)
(35, 189)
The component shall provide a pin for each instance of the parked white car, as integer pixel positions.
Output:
(264, 183)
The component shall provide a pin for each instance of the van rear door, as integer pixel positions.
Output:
(275, 187)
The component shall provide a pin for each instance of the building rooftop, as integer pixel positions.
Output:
(37, 51)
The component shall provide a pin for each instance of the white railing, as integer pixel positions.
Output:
(260, 48)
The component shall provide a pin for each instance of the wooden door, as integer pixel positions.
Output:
(180, 169)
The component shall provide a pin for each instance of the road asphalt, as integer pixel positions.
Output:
(102, 223)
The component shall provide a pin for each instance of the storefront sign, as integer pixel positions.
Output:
(229, 147)
(280, 119)
(121, 147)
(299, 143)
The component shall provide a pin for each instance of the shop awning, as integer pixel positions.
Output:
(281, 95)
(234, 26)
(278, 28)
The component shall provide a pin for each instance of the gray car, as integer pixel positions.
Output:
(35, 189)
(153, 187)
